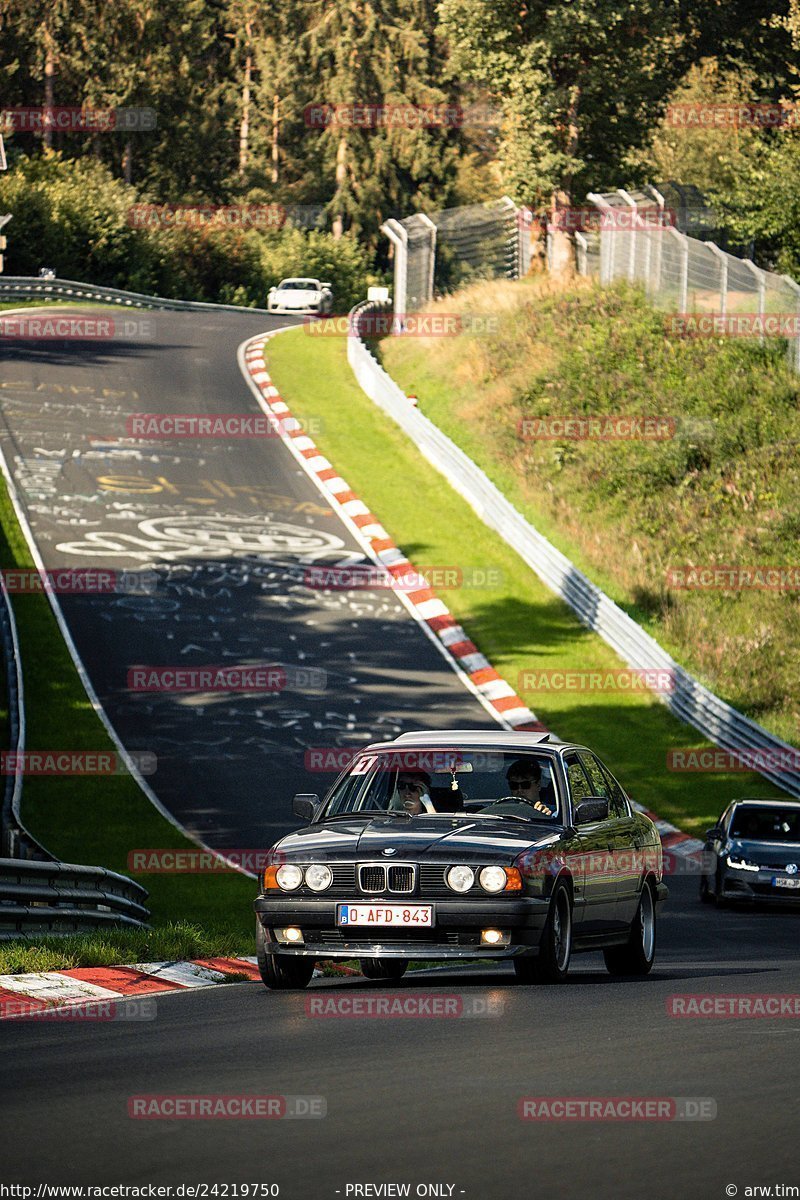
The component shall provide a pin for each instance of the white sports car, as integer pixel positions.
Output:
(300, 296)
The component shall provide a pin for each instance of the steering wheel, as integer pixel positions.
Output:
(515, 800)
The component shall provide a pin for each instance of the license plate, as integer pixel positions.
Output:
(786, 883)
(385, 914)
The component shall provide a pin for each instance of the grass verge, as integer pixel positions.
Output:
(721, 489)
(516, 622)
(99, 820)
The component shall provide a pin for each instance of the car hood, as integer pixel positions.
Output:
(774, 854)
(464, 838)
(295, 294)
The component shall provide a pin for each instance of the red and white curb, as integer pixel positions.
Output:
(496, 694)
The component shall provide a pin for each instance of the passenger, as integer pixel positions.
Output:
(413, 793)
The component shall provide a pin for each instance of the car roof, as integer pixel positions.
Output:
(762, 802)
(500, 739)
(299, 279)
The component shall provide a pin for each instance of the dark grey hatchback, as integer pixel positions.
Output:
(753, 853)
(463, 845)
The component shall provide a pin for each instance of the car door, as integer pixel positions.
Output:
(622, 835)
(599, 885)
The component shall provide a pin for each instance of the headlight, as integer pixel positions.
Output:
(319, 877)
(460, 879)
(741, 864)
(493, 879)
(288, 877)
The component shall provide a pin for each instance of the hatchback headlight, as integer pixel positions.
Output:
(288, 877)
(741, 864)
(319, 877)
(460, 879)
(493, 879)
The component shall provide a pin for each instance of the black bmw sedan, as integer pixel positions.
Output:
(463, 845)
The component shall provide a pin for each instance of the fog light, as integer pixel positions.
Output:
(291, 935)
(495, 937)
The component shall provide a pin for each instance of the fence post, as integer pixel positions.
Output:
(654, 276)
(399, 239)
(606, 245)
(432, 253)
(683, 241)
(629, 200)
(793, 346)
(761, 280)
(723, 277)
(582, 254)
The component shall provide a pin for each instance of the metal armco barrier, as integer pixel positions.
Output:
(22, 288)
(689, 700)
(37, 897)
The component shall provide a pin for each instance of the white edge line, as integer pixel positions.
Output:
(84, 677)
(356, 532)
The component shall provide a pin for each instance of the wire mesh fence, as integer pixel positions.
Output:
(713, 292)
(436, 253)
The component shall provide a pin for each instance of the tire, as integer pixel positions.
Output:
(551, 964)
(638, 954)
(281, 971)
(719, 899)
(705, 894)
(383, 968)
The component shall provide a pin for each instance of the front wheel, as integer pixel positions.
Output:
(383, 968)
(281, 970)
(636, 957)
(551, 964)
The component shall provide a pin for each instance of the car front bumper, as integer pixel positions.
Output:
(741, 885)
(290, 310)
(454, 934)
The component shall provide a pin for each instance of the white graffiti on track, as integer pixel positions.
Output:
(210, 535)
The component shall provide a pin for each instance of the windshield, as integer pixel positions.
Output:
(762, 824)
(298, 285)
(473, 782)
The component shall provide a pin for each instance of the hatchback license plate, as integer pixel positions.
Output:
(385, 914)
(786, 883)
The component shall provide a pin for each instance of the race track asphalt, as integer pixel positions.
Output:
(434, 1100)
(230, 528)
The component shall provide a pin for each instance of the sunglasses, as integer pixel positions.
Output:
(522, 783)
(405, 785)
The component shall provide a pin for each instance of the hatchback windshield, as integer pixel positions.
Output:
(763, 824)
(427, 782)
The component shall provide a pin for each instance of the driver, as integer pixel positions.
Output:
(524, 778)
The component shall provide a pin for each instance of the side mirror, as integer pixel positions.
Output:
(593, 808)
(305, 805)
(713, 834)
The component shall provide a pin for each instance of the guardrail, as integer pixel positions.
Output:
(689, 699)
(37, 897)
(15, 840)
(24, 288)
